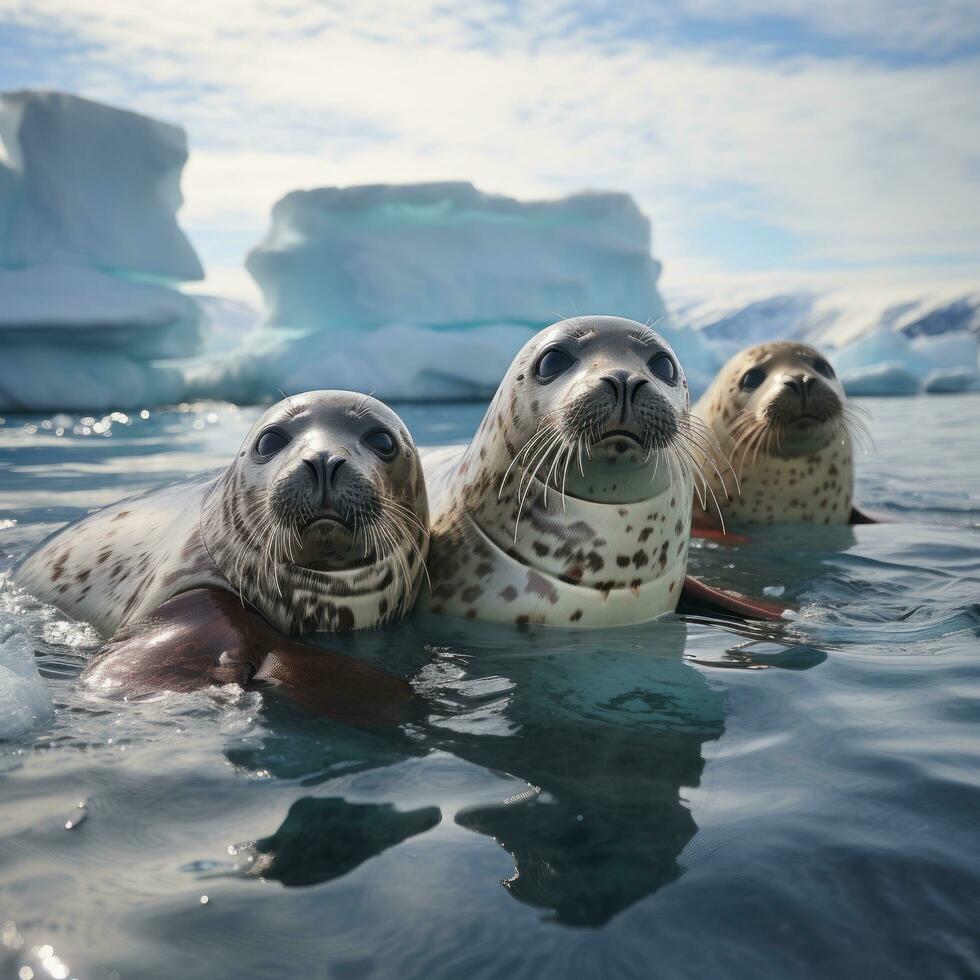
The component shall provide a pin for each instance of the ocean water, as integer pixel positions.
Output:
(681, 799)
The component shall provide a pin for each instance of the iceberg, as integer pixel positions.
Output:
(445, 255)
(89, 251)
(95, 186)
(426, 291)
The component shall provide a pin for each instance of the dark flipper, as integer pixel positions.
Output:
(859, 517)
(698, 598)
(206, 637)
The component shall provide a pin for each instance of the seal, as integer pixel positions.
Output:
(572, 504)
(779, 412)
(320, 524)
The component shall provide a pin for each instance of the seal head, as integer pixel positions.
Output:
(321, 520)
(780, 414)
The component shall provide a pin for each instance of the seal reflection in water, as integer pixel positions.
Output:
(572, 504)
(780, 414)
(576, 752)
(319, 524)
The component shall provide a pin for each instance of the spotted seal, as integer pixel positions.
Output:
(778, 410)
(319, 524)
(572, 504)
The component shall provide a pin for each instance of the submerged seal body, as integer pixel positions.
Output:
(779, 412)
(319, 524)
(572, 504)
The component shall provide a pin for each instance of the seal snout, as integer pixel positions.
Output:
(324, 467)
(625, 385)
(802, 398)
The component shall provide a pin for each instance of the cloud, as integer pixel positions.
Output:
(853, 160)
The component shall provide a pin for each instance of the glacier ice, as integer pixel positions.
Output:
(95, 185)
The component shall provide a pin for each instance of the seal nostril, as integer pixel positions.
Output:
(314, 469)
(793, 384)
(638, 383)
(614, 385)
(331, 466)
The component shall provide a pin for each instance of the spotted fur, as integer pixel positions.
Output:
(256, 530)
(790, 469)
(508, 545)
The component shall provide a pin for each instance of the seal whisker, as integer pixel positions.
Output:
(541, 432)
(520, 506)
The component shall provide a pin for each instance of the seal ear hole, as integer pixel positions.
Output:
(552, 363)
(823, 367)
(663, 367)
(270, 442)
(752, 379)
(382, 442)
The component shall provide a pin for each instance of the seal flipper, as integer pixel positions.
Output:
(697, 597)
(206, 637)
(859, 517)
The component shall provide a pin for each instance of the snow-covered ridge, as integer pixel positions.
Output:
(882, 342)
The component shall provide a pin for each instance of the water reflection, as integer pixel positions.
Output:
(606, 730)
(603, 729)
(322, 839)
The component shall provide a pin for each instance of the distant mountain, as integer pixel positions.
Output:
(881, 342)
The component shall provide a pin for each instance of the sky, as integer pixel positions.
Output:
(780, 140)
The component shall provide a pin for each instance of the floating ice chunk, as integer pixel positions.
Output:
(24, 698)
(888, 378)
(774, 591)
(886, 362)
(95, 186)
(948, 381)
(448, 255)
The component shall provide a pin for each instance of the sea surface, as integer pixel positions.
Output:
(681, 799)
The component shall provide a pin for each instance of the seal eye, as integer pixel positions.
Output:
(752, 379)
(552, 363)
(823, 367)
(270, 442)
(663, 366)
(382, 442)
